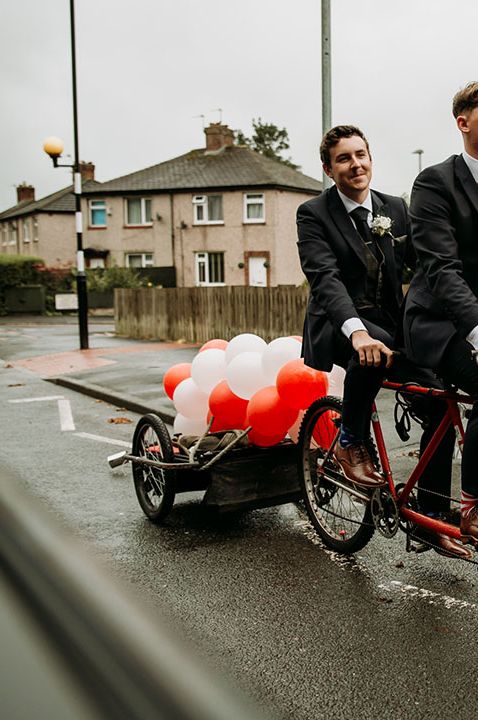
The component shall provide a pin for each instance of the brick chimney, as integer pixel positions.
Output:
(218, 136)
(25, 193)
(87, 170)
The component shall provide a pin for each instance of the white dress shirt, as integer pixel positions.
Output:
(355, 323)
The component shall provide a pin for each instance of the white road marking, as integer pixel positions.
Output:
(64, 409)
(433, 598)
(37, 399)
(66, 416)
(100, 438)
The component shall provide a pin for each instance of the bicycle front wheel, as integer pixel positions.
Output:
(343, 521)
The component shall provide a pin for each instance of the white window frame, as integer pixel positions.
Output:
(12, 233)
(254, 199)
(143, 222)
(26, 230)
(203, 202)
(4, 234)
(203, 257)
(144, 262)
(91, 203)
(35, 229)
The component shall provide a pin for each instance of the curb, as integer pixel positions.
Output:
(129, 402)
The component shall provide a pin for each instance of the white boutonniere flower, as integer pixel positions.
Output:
(381, 225)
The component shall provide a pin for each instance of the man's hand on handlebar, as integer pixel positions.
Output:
(369, 350)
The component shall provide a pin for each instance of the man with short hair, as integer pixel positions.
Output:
(353, 245)
(441, 312)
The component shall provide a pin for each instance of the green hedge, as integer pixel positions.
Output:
(18, 270)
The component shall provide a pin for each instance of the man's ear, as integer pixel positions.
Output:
(327, 170)
(462, 123)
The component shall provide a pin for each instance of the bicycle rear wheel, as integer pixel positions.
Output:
(343, 521)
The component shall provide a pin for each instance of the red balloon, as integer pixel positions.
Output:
(175, 375)
(325, 429)
(214, 344)
(299, 385)
(268, 414)
(264, 440)
(228, 409)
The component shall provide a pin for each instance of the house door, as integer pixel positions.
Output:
(258, 271)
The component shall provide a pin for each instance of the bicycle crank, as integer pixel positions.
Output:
(384, 512)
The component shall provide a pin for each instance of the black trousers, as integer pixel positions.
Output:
(459, 368)
(361, 386)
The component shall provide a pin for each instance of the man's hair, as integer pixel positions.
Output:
(332, 137)
(466, 100)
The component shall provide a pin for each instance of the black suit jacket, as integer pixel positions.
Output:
(332, 256)
(442, 299)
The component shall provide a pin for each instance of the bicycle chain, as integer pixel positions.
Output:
(409, 534)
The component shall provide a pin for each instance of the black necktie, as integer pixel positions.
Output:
(360, 216)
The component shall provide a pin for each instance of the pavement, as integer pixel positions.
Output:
(124, 372)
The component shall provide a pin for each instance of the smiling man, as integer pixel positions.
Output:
(353, 245)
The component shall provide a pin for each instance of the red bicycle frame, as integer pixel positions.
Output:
(451, 417)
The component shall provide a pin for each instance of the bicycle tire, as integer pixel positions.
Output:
(155, 488)
(343, 523)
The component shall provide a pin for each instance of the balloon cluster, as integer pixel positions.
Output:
(247, 382)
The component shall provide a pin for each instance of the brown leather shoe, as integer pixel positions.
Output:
(358, 466)
(469, 527)
(444, 544)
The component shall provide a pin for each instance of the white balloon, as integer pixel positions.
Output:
(246, 342)
(187, 426)
(244, 374)
(208, 369)
(189, 400)
(277, 353)
(336, 381)
(293, 431)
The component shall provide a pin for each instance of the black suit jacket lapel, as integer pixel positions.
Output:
(467, 181)
(345, 225)
(385, 242)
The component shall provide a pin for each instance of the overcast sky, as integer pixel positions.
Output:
(146, 68)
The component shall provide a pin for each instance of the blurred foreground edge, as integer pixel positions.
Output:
(109, 655)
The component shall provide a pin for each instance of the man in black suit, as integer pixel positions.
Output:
(353, 245)
(441, 313)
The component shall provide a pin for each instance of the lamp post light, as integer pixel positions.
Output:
(419, 152)
(54, 148)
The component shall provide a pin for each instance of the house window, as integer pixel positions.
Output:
(210, 268)
(138, 211)
(4, 235)
(139, 260)
(96, 262)
(35, 229)
(208, 210)
(26, 230)
(12, 233)
(97, 213)
(254, 208)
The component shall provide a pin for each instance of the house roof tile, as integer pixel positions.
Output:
(61, 201)
(231, 167)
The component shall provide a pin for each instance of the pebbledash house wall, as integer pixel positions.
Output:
(121, 239)
(56, 238)
(276, 237)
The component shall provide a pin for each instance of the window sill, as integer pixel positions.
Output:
(253, 222)
(97, 227)
(210, 222)
(136, 227)
(211, 284)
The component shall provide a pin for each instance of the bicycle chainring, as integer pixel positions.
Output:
(384, 512)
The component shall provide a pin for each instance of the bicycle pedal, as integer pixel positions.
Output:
(418, 547)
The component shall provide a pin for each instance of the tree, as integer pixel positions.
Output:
(268, 140)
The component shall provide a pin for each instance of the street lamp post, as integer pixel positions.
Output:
(419, 152)
(326, 79)
(54, 148)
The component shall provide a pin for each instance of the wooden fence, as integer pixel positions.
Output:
(199, 314)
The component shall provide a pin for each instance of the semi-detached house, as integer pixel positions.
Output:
(220, 215)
